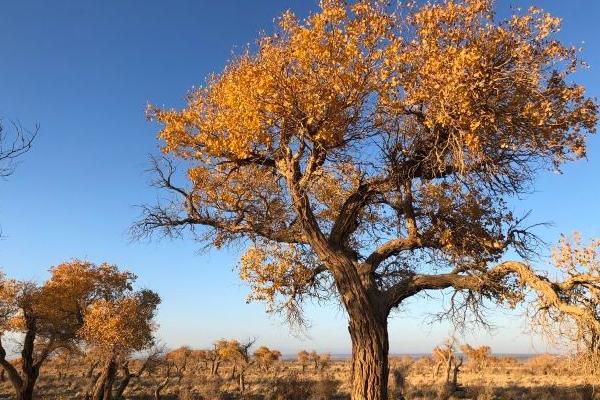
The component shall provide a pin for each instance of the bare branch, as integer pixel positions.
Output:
(13, 145)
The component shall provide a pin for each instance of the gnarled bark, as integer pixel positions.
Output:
(160, 387)
(104, 384)
(370, 348)
(24, 383)
(127, 375)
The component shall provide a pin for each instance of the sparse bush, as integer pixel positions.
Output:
(325, 388)
(482, 393)
(543, 363)
(303, 359)
(586, 392)
(289, 388)
(443, 391)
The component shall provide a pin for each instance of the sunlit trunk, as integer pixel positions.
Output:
(214, 368)
(367, 323)
(370, 348)
(104, 384)
(241, 382)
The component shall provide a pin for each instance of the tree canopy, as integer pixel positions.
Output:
(392, 137)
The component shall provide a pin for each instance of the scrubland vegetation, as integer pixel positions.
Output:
(230, 370)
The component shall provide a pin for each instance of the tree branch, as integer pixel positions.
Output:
(550, 294)
(11, 149)
(168, 219)
(347, 220)
(391, 248)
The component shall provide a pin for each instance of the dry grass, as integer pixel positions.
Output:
(543, 377)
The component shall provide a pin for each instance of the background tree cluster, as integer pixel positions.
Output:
(82, 307)
(172, 366)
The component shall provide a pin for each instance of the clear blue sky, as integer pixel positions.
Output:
(85, 71)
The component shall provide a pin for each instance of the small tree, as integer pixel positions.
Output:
(478, 357)
(442, 356)
(163, 369)
(367, 152)
(266, 357)
(574, 258)
(314, 358)
(202, 358)
(214, 359)
(238, 355)
(324, 361)
(179, 360)
(303, 358)
(447, 357)
(118, 326)
(63, 361)
(145, 363)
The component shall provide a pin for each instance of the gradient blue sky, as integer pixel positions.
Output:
(85, 70)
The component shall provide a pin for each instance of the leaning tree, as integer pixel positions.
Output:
(367, 153)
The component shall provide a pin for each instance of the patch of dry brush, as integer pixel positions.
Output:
(186, 373)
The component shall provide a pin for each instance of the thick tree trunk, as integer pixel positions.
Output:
(108, 385)
(370, 348)
(89, 390)
(457, 364)
(127, 375)
(26, 392)
(24, 386)
(448, 368)
(121, 387)
(30, 376)
(29, 368)
(13, 375)
(104, 384)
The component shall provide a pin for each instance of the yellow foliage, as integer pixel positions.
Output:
(273, 270)
(123, 325)
(265, 356)
(467, 74)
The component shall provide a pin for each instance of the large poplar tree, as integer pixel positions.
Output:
(367, 151)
